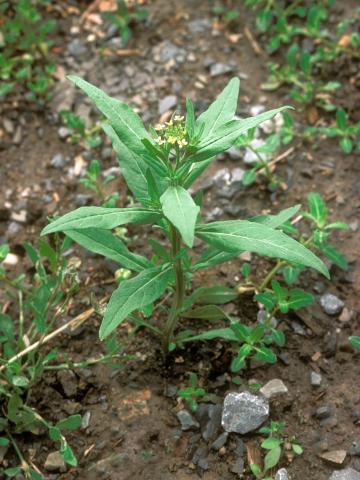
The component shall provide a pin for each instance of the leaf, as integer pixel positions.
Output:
(242, 235)
(226, 135)
(278, 337)
(267, 299)
(20, 381)
(70, 423)
(179, 207)
(105, 243)
(333, 254)
(211, 257)
(207, 312)
(12, 472)
(355, 342)
(337, 226)
(4, 442)
(265, 354)
(291, 274)
(134, 294)
(4, 250)
(100, 217)
(297, 448)
(317, 208)
(217, 294)
(272, 458)
(341, 119)
(224, 333)
(299, 299)
(270, 443)
(275, 221)
(222, 110)
(190, 118)
(67, 453)
(239, 361)
(346, 145)
(249, 177)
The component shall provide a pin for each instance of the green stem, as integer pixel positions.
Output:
(179, 289)
(270, 275)
(24, 464)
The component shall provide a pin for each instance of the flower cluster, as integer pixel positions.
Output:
(172, 132)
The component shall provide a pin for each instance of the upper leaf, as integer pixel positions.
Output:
(274, 221)
(242, 235)
(134, 294)
(179, 207)
(101, 217)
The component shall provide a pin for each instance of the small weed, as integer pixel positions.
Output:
(93, 181)
(192, 394)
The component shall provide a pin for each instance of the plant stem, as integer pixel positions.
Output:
(269, 276)
(179, 289)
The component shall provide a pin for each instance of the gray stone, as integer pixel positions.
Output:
(85, 421)
(199, 26)
(355, 448)
(13, 229)
(58, 161)
(315, 379)
(346, 474)
(54, 462)
(331, 304)
(9, 126)
(81, 199)
(273, 387)
(200, 458)
(217, 69)
(64, 132)
(228, 182)
(234, 153)
(170, 51)
(244, 412)
(187, 421)
(323, 412)
(220, 441)
(68, 381)
(18, 135)
(63, 96)
(238, 466)
(250, 157)
(282, 474)
(209, 418)
(76, 48)
(167, 103)
(262, 317)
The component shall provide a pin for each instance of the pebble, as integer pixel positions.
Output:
(76, 48)
(323, 412)
(250, 157)
(282, 474)
(346, 315)
(69, 382)
(331, 304)
(11, 259)
(244, 412)
(9, 126)
(336, 457)
(13, 229)
(199, 26)
(346, 474)
(20, 217)
(217, 69)
(17, 138)
(64, 132)
(273, 387)
(238, 466)
(355, 448)
(58, 161)
(187, 421)
(169, 51)
(209, 418)
(85, 421)
(167, 103)
(228, 182)
(220, 441)
(315, 379)
(54, 462)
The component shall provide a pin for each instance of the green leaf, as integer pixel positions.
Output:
(242, 235)
(4, 250)
(4, 442)
(270, 443)
(267, 299)
(211, 257)
(224, 333)
(333, 254)
(134, 294)
(341, 119)
(226, 135)
(275, 221)
(105, 243)
(20, 381)
(297, 448)
(346, 145)
(337, 226)
(272, 458)
(70, 423)
(54, 434)
(12, 472)
(291, 274)
(257, 334)
(278, 337)
(355, 342)
(190, 118)
(317, 208)
(255, 469)
(101, 217)
(239, 361)
(299, 299)
(207, 312)
(249, 177)
(67, 453)
(179, 207)
(217, 294)
(220, 111)
(265, 354)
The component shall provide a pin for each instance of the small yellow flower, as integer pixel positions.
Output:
(160, 141)
(172, 140)
(159, 126)
(178, 118)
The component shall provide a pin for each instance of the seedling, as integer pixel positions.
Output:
(125, 17)
(159, 166)
(90, 137)
(355, 342)
(93, 181)
(274, 445)
(192, 394)
(347, 134)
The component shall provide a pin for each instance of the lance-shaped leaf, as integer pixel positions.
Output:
(222, 110)
(274, 221)
(179, 207)
(211, 257)
(101, 217)
(134, 294)
(242, 235)
(225, 135)
(105, 243)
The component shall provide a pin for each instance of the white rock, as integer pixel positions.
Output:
(274, 387)
(346, 474)
(244, 412)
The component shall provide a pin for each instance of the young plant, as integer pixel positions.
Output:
(348, 134)
(125, 17)
(90, 137)
(93, 181)
(193, 393)
(274, 444)
(159, 167)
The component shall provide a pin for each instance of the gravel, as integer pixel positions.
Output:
(187, 421)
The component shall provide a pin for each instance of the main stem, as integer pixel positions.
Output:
(179, 289)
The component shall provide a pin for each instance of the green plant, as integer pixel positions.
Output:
(274, 444)
(159, 166)
(24, 49)
(193, 393)
(125, 17)
(90, 137)
(348, 134)
(355, 342)
(24, 358)
(93, 181)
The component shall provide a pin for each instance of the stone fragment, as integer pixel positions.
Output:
(58, 161)
(220, 441)
(274, 387)
(346, 474)
(282, 474)
(187, 421)
(244, 412)
(331, 304)
(355, 448)
(336, 457)
(167, 103)
(209, 418)
(315, 379)
(199, 26)
(54, 462)
(217, 69)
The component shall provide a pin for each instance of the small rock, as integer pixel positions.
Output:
(199, 26)
(13, 229)
(346, 474)
(257, 109)
(68, 381)
(17, 138)
(238, 466)
(250, 157)
(355, 448)
(171, 52)
(85, 421)
(58, 161)
(273, 387)
(11, 259)
(244, 412)
(346, 315)
(354, 226)
(323, 412)
(200, 458)
(20, 217)
(209, 418)
(76, 48)
(167, 103)
(315, 379)
(54, 462)
(217, 69)
(9, 126)
(331, 304)
(187, 421)
(282, 474)
(220, 441)
(64, 132)
(262, 318)
(81, 199)
(336, 457)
